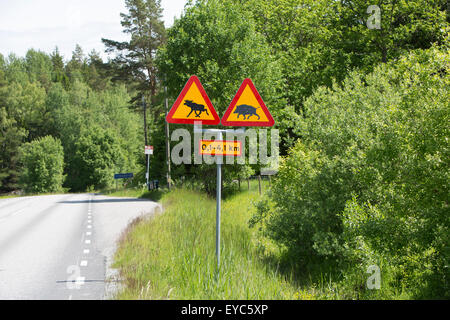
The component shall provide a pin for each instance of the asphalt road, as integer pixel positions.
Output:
(60, 247)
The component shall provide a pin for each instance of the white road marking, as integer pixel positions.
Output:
(86, 251)
(17, 212)
(80, 280)
(88, 233)
(88, 242)
(83, 263)
(89, 227)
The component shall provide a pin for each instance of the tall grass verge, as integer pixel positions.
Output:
(172, 256)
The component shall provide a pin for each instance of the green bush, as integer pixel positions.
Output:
(43, 165)
(97, 155)
(369, 181)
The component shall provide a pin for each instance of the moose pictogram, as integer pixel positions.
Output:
(198, 109)
(246, 110)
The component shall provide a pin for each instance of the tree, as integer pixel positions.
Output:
(39, 67)
(58, 73)
(369, 180)
(321, 41)
(218, 42)
(136, 58)
(11, 137)
(26, 105)
(94, 159)
(95, 74)
(43, 165)
(16, 70)
(3, 81)
(135, 61)
(76, 66)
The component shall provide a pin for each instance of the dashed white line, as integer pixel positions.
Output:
(88, 233)
(88, 241)
(80, 280)
(89, 227)
(83, 263)
(86, 251)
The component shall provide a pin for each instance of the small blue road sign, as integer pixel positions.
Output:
(123, 176)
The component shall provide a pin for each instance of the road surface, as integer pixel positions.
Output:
(60, 247)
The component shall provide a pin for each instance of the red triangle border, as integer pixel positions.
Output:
(193, 79)
(233, 103)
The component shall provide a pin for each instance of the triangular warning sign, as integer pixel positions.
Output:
(193, 105)
(247, 109)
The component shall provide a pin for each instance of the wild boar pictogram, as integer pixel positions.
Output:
(246, 111)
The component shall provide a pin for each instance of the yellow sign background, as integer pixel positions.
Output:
(248, 98)
(221, 148)
(194, 95)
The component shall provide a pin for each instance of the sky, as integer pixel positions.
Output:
(45, 24)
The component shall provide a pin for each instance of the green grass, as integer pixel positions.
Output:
(8, 197)
(140, 193)
(173, 254)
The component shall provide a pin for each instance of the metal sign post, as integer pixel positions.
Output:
(218, 205)
(148, 171)
(118, 176)
(219, 137)
(148, 152)
(247, 109)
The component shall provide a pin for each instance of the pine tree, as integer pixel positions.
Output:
(135, 60)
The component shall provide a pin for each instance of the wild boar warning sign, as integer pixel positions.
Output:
(248, 109)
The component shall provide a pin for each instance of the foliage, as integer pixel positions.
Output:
(318, 42)
(218, 42)
(43, 165)
(11, 138)
(135, 59)
(370, 179)
(41, 95)
(96, 156)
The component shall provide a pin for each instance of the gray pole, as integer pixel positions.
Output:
(167, 141)
(219, 182)
(219, 198)
(145, 133)
(259, 182)
(148, 172)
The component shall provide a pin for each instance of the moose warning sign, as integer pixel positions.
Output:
(248, 109)
(193, 105)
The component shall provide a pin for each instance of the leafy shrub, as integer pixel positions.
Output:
(369, 180)
(97, 156)
(43, 165)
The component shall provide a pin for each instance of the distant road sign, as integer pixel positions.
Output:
(221, 148)
(268, 172)
(193, 105)
(123, 176)
(149, 150)
(248, 109)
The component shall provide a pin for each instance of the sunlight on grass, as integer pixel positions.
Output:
(173, 255)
